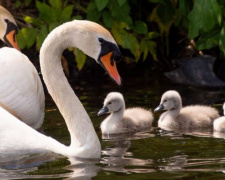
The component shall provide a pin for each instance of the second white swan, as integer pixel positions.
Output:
(21, 91)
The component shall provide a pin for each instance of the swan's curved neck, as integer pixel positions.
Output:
(78, 122)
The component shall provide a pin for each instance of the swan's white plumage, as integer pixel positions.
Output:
(24, 139)
(21, 91)
(219, 123)
(84, 140)
(196, 117)
(123, 120)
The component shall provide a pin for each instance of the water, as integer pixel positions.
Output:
(154, 154)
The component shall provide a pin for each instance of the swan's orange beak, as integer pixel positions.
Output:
(110, 67)
(11, 38)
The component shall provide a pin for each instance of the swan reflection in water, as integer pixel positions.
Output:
(28, 167)
(217, 134)
(118, 158)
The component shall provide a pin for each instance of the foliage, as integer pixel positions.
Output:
(51, 15)
(141, 27)
(129, 33)
(207, 24)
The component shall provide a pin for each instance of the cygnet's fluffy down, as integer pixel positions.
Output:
(219, 123)
(196, 117)
(123, 120)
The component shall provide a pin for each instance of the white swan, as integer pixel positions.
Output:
(8, 28)
(123, 120)
(21, 91)
(18, 138)
(196, 117)
(219, 123)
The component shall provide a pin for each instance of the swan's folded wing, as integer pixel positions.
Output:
(21, 90)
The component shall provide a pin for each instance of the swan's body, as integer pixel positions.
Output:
(89, 37)
(21, 91)
(196, 117)
(219, 123)
(123, 120)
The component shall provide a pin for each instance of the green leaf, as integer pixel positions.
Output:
(166, 12)
(126, 39)
(80, 58)
(48, 13)
(53, 26)
(144, 49)
(66, 13)
(45, 12)
(222, 40)
(208, 40)
(152, 49)
(107, 19)
(164, 28)
(91, 7)
(121, 2)
(204, 16)
(185, 6)
(101, 4)
(41, 36)
(148, 46)
(33, 21)
(21, 43)
(121, 13)
(92, 13)
(55, 3)
(26, 37)
(152, 35)
(140, 27)
(127, 19)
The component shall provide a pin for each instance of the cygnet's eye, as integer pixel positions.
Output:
(101, 40)
(165, 100)
(109, 103)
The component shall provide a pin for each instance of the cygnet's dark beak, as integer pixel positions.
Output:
(159, 108)
(103, 111)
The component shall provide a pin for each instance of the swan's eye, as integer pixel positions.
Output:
(101, 40)
(7, 21)
(110, 103)
(165, 100)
